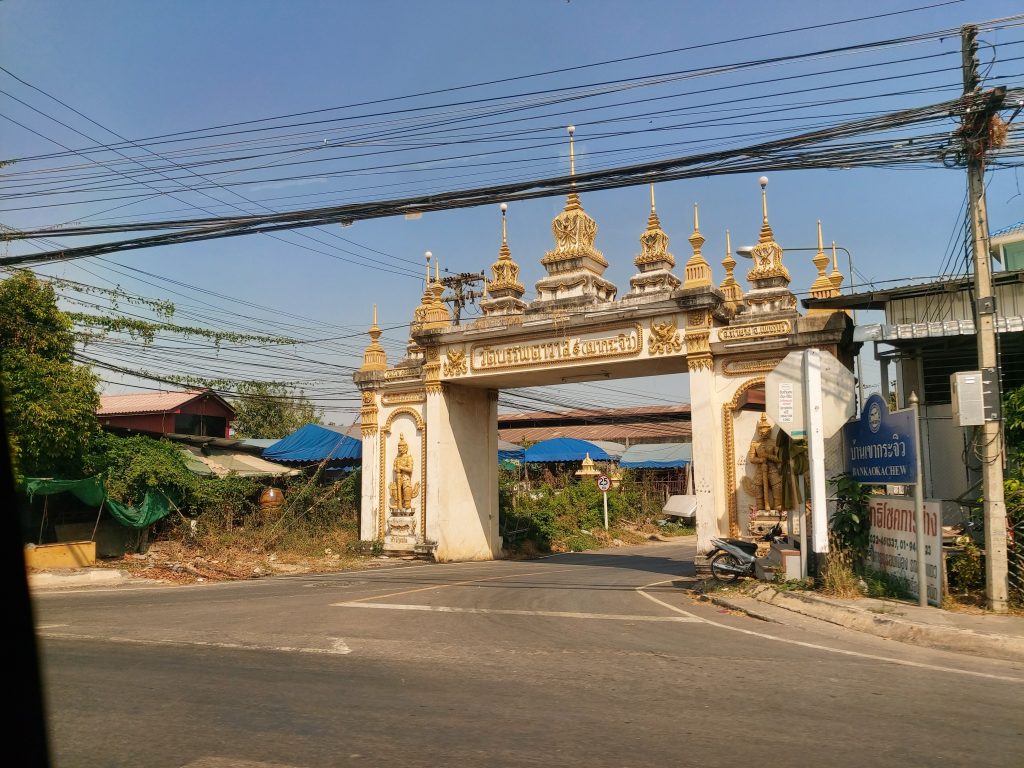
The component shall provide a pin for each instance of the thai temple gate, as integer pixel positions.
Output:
(429, 422)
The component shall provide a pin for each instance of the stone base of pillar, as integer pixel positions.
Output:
(702, 564)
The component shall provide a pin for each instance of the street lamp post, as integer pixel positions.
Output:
(745, 251)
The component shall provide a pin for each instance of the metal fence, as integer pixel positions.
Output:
(1015, 556)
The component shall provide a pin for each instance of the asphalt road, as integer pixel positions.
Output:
(593, 659)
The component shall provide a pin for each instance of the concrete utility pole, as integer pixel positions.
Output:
(979, 111)
(459, 296)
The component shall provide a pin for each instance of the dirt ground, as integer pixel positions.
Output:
(183, 562)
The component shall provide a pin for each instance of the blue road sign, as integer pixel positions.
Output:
(882, 446)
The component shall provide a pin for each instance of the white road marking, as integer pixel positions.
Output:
(50, 626)
(338, 646)
(511, 612)
(231, 762)
(815, 646)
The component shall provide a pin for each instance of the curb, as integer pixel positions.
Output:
(942, 638)
(722, 602)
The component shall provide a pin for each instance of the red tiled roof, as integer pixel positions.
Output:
(146, 402)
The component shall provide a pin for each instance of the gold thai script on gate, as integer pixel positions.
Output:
(738, 332)
(625, 343)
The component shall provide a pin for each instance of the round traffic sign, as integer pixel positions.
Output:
(604, 482)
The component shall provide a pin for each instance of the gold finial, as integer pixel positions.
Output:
(437, 269)
(428, 254)
(374, 357)
(697, 273)
(504, 231)
(730, 288)
(823, 286)
(652, 198)
(836, 277)
(572, 153)
(763, 181)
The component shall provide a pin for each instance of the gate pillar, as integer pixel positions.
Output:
(462, 473)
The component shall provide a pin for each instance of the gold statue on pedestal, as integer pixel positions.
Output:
(767, 460)
(403, 491)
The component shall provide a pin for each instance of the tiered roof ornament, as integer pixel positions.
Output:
(731, 289)
(769, 278)
(503, 295)
(575, 267)
(654, 261)
(697, 273)
(836, 277)
(436, 315)
(374, 358)
(823, 286)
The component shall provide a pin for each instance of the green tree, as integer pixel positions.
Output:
(270, 410)
(50, 402)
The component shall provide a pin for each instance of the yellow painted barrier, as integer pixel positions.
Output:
(70, 554)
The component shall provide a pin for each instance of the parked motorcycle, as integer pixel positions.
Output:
(733, 558)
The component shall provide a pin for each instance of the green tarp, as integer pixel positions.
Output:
(91, 491)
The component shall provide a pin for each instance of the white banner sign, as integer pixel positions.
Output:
(893, 547)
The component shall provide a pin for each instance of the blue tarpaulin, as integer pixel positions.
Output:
(510, 451)
(315, 443)
(564, 449)
(656, 456)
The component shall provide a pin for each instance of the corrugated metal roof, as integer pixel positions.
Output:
(946, 328)
(636, 431)
(146, 402)
(603, 413)
(1013, 229)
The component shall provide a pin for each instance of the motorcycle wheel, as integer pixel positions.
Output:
(721, 575)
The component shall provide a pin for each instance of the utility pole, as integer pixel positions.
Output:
(980, 108)
(459, 296)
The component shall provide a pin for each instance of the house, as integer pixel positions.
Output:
(192, 412)
(1008, 245)
(928, 335)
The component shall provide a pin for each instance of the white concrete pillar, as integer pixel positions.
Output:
(370, 508)
(708, 469)
(462, 474)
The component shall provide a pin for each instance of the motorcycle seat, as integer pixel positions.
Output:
(746, 546)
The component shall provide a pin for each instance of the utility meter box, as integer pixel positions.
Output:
(968, 390)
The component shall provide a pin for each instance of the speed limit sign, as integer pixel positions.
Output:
(603, 482)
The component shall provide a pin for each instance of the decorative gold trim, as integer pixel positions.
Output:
(622, 344)
(664, 338)
(700, 364)
(759, 331)
(729, 450)
(421, 427)
(698, 319)
(368, 413)
(402, 398)
(401, 373)
(746, 367)
(455, 362)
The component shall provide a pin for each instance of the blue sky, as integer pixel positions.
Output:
(148, 68)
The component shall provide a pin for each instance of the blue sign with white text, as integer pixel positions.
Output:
(882, 446)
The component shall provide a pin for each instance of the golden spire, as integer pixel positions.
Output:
(374, 358)
(574, 231)
(654, 243)
(767, 254)
(573, 201)
(505, 270)
(730, 288)
(435, 314)
(836, 277)
(697, 273)
(821, 287)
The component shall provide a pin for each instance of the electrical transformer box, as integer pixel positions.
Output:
(968, 390)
